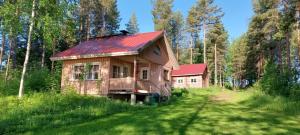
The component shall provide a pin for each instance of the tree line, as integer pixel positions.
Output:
(268, 52)
(204, 18)
(33, 31)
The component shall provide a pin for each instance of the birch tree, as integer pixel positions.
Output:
(32, 21)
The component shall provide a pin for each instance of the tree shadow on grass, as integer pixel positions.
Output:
(195, 114)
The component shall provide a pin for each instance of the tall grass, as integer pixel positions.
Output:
(271, 103)
(49, 109)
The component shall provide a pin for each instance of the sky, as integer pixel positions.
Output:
(236, 19)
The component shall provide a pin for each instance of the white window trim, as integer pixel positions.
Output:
(192, 79)
(72, 78)
(148, 73)
(180, 81)
(99, 75)
(122, 70)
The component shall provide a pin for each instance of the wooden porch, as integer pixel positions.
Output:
(132, 83)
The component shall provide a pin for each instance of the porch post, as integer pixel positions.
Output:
(133, 96)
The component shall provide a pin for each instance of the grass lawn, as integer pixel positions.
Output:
(199, 112)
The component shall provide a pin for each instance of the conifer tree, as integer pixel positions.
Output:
(132, 25)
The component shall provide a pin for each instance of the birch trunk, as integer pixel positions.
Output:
(2, 49)
(216, 71)
(9, 55)
(53, 52)
(43, 55)
(21, 90)
(204, 43)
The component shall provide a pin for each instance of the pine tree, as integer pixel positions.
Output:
(175, 31)
(216, 49)
(162, 11)
(208, 14)
(132, 25)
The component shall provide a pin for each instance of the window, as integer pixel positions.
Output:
(116, 72)
(180, 80)
(144, 75)
(156, 50)
(193, 80)
(93, 72)
(85, 72)
(120, 72)
(78, 72)
(125, 72)
(166, 74)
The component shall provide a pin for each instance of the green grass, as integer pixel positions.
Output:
(197, 112)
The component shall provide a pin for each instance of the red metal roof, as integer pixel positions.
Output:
(110, 44)
(191, 69)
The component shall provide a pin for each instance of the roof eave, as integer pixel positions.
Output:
(150, 42)
(94, 55)
(186, 75)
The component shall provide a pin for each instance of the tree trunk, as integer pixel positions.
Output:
(21, 90)
(177, 52)
(298, 36)
(103, 23)
(9, 55)
(279, 57)
(288, 50)
(88, 27)
(216, 71)
(204, 43)
(53, 52)
(2, 49)
(220, 79)
(191, 55)
(43, 55)
(14, 43)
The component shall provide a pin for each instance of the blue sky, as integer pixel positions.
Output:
(236, 19)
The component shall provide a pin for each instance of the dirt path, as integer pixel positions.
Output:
(223, 96)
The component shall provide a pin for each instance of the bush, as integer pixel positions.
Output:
(276, 82)
(179, 92)
(36, 79)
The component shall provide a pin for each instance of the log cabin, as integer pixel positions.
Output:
(119, 65)
(190, 76)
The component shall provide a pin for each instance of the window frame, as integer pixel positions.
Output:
(121, 68)
(195, 80)
(142, 73)
(93, 72)
(180, 81)
(166, 73)
(73, 78)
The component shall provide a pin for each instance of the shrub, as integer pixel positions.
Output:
(276, 82)
(36, 79)
(180, 92)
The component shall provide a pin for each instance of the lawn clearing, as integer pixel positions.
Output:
(197, 113)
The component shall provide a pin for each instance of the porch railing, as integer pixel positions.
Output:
(121, 83)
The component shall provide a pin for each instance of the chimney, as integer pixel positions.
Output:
(124, 32)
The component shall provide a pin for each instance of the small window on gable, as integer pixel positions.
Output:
(144, 74)
(166, 75)
(157, 50)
